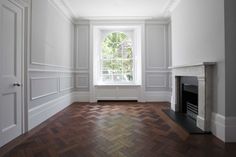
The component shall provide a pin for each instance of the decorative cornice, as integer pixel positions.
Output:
(158, 21)
(70, 13)
(63, 7)
(69, 9)
(107, 18)
(169, 8)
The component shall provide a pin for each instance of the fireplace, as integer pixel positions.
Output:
(192, 92)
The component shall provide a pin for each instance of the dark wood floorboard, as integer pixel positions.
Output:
(114, 129)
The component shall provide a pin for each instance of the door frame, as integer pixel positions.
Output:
(25, 9)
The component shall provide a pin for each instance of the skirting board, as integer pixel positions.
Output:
(81, 96)
(41, 113)
(201, 123)
(224, 127)
(114, 98)
(162, 96)
(230, 129)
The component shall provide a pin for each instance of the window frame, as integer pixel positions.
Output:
(130, 35)
(99, 34)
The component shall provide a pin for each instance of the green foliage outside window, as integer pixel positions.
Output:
(117, 58)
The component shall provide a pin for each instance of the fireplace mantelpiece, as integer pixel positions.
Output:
(203, 72)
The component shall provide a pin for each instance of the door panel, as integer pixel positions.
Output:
(9, 106)
(11, 29)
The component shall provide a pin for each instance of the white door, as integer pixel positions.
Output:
(11, 31)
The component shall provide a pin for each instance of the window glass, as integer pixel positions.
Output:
(117, 63)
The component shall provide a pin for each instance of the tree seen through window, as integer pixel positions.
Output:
(117, 58)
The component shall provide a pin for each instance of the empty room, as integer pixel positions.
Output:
(117, 78)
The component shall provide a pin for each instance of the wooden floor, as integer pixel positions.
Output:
(114, 129)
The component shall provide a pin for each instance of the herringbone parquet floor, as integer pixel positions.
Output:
(114, 129)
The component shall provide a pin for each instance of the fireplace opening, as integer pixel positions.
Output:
(189, 98)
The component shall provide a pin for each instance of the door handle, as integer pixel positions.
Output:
(16, 84)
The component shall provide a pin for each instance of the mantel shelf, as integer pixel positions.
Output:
(193, 65)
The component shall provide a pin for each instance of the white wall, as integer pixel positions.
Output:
(156, 76)
(198, 36)
(230, 56)
(52, 36)
(50, 62)
(230, 24)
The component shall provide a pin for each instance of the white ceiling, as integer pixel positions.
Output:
(113, 9)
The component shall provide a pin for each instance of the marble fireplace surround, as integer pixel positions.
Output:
(203, 72)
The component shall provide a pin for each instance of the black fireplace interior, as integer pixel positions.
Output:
(189, 97)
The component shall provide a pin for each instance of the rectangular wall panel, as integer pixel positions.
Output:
(156, 47)
(43, 86)
(156, 80)
(66, 83)
(117, 92)
(82, 57)
(82, 81)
